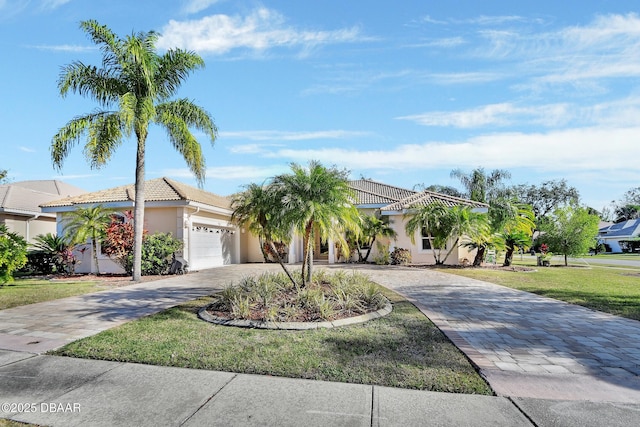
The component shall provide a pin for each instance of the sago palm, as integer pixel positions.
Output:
(133, 88)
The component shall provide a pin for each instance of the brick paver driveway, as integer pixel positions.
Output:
(527, 345)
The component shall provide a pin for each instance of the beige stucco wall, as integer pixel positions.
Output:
(29, 227)
(418, 255)
(250, 248)
(174, 220)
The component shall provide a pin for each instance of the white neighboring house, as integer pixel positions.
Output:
(20, 206)
(200, 219)
(612, 234)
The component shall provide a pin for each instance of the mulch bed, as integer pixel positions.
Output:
(516, 268)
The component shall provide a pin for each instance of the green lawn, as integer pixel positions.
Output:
(613, 290)
(403, 349)
(29, 291)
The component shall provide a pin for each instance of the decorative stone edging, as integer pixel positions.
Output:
(298, 326)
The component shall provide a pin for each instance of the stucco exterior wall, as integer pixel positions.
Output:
(418, 255)
(250, 248)
(29, 227)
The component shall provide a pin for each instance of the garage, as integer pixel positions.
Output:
(210, 246)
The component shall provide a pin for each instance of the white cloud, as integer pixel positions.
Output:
(274, 135)
(53, 4)
(495, 20)
(65, 48)
(261, 30)
(195, 6)
(26, 149)
(615, 113)
(495, 115)
(244, 174)
(445, 42)
(602, 149)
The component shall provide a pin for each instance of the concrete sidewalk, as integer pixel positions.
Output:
(60, 391)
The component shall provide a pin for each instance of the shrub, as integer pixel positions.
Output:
(52, 255)
(400, 256)
(13, 253)
(382, 257)
(157, 254)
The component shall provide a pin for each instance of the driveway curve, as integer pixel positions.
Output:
(526, 345)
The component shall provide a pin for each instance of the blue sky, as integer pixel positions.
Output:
(399, 92)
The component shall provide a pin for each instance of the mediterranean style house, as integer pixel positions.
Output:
(20, 206)
(202, 221)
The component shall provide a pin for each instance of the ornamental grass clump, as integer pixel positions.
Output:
(272, 297)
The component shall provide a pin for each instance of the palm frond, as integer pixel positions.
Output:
(173, 68)
(105, 135)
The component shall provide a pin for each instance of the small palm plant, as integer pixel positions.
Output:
(58, 249)
(88, 224)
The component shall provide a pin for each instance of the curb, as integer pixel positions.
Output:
(295, 326)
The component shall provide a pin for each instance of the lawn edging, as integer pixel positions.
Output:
(296, 326)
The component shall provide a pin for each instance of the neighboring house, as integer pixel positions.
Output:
(20, 206)
(394, 203)
(612, 234)
(200, 219)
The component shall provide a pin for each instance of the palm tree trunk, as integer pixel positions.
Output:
(455, 245)
(305, 251)
(94, 248)
(366, 257)
(275, 251)
(477, 261)
(508, 257)
(138, 213)
(264, 253)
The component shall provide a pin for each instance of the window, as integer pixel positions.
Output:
(426, 241)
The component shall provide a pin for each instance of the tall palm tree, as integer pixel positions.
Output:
(258, 209)
(480, 186)
(88, 224)
(316, 199)
(133, 89)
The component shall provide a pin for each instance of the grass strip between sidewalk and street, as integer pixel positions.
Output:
(403, 349)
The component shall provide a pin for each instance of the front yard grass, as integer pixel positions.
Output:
(612, 290)
(403, 349)
(29, 291)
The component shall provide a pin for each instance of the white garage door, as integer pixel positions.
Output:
(209, 247)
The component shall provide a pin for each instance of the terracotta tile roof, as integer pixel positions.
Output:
(27, 196)
(426, 198)
(376, 193)
(156, 190)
